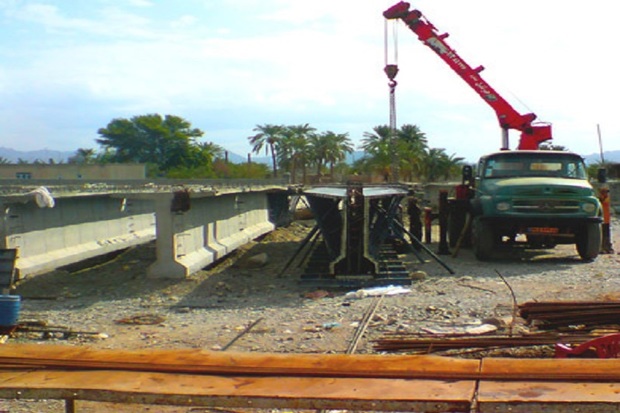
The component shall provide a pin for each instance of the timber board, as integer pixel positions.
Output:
(232, 391)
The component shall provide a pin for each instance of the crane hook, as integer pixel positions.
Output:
(391, 70)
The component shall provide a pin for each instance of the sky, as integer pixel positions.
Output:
(69, 67)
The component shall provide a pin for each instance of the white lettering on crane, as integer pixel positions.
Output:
(484, 89)
(437, 45)
(442, 49)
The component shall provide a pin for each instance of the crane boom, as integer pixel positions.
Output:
(531, 134)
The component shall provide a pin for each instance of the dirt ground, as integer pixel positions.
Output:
(113, 304)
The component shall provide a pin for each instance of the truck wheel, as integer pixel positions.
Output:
(483, 239)
(589, 241)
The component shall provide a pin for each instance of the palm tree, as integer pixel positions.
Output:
(438, 164)
(338, 146)
(209, 151)
(329, 148)
(268, 136)
(452, 166)
(83, 156)
(411, 146)
(297, 148)
(379, 146)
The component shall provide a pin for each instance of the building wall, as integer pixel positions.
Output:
(73, 171)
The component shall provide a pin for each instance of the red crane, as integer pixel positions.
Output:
(531, 134)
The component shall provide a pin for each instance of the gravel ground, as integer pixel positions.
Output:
(114, 305)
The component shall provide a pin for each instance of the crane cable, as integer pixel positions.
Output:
(391, 70)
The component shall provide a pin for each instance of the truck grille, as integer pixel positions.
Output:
(546, 191)
(546, 206)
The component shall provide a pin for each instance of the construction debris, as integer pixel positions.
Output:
(50, 331)
(142, 319)
(575, 314)
(425, 344)
(241, 334)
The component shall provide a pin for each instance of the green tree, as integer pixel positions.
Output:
(225, 169)
(437, 164)
(295, 149)
(378, 144)
(268, 137)
(411, 147)
(330, 148)
(168, 142)
(203, 155)
(302, 134)
(83, 156)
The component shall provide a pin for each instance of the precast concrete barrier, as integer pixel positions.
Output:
(210, 227)
(74, 228)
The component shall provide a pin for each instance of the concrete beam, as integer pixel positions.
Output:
(52, 232)
(211, 228)
(75, 229)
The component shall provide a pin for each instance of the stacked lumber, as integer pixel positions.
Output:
(556, 314)
(425, 344)
(237, 380)
(308, 381)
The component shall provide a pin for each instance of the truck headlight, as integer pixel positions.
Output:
(502, 206)
(589, 208)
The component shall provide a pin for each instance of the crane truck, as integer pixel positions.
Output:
(529, 197)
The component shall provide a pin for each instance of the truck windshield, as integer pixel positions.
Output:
(521, 165)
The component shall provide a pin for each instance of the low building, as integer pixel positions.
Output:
(73, 171)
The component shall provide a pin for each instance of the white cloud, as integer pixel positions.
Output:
(140, 3)
(236, 61)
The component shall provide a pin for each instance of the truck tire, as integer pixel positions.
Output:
(483, 239)
(589, 241)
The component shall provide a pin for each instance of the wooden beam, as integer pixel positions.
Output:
(588, 385)
(527, 397)
(308, 381)
(195, 361)
(239, 392)
(573, 370)
(231, 363)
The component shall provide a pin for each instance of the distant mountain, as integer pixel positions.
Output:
(610, 156)
(43, 155)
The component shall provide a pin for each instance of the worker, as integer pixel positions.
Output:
(415, 223)
(606, 246)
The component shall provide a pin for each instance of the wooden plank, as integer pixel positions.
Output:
(234, 391)
(575, 370)
(527, 397)
(308, 381)
(196, 361)
(218, 363)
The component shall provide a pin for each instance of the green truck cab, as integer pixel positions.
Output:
(537, 199)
